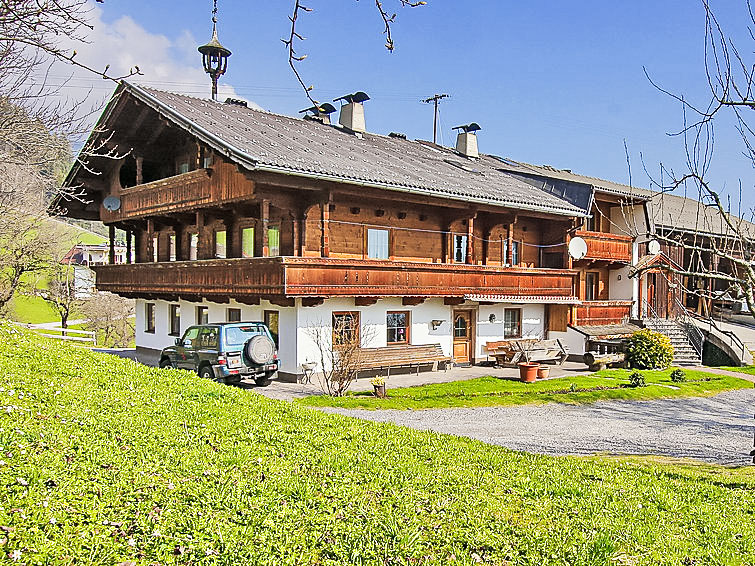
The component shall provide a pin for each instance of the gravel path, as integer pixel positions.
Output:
(714, 429)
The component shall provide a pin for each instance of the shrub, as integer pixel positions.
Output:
(678, 376)
(650, 350)
(636, 379)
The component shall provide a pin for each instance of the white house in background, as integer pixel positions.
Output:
(82, 257)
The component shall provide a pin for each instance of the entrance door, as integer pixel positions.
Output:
(462, 337)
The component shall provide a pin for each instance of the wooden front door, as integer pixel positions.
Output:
(462, 337)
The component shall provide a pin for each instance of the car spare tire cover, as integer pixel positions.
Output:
(260, 349)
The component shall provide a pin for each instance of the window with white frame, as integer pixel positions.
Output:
(459, 248)
(397, 323)
(377, 243)
(512, 323)
(174, 320)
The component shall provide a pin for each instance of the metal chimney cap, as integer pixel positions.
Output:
(325, 108)
(358, 96)
(213, 47)
(469, 128)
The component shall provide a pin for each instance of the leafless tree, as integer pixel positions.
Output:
(339, 352)
(112, 317)
(720, 249)
(387, 17)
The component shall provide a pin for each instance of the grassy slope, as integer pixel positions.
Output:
(32, 310)
(490, 391)
(750, 370)
(106, 461)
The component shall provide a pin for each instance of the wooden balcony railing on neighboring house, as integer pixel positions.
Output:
(602, 246)
(598, 313)
(329, 277)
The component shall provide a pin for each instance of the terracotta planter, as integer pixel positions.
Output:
(379, 391)
(543, 372)
(528, 371)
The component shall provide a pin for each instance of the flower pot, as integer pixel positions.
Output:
(543, 372)
(379, 391)
(528, 371)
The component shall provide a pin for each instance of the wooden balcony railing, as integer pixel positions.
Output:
(597, 313)
(328, 277)
(607, 247)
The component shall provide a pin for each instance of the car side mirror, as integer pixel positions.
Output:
(178, 341)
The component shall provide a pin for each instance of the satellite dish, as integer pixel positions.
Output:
(112, 203)
(577, 248)
(654, 247)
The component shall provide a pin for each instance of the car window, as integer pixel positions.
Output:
(238, 335)
(208, 338)
(191, 335)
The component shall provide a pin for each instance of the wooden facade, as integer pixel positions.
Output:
(603, 246)
(594, 313)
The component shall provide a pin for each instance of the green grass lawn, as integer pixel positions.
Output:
(490, 391)
(750, 370)
(105, 461)
(32, 310)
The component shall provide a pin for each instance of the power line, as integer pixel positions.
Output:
(435, 99)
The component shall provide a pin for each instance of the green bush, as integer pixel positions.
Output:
(636, 379)
(650, 350)
(678, 376)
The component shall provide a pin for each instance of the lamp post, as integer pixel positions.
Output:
(214, 55)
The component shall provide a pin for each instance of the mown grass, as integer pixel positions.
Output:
(612, 384)
(32, 310)
(750, 370)
(105, 461)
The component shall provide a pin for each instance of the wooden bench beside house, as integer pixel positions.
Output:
(515, 351)
(403, 356)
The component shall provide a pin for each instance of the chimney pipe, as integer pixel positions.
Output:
(319, 113)
(352, 111)
(466, 140)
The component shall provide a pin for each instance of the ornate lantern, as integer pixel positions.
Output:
(214, 55)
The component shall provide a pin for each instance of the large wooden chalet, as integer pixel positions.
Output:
(235, 213)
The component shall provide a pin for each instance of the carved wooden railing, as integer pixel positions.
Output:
(598, 313)
(607, 247)
(327, 277)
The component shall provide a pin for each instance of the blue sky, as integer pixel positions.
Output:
(550, 82)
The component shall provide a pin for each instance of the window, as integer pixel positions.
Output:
(592, 222)
(345, 327)
(193, 246)
(203, 316)
(514, 252)
(397, 323)
(272, 321)
(377, 243)
(274, 241)
(512, 323)
(155, 245)
(183, 167)
(149, 318)
(208, 338)
(238, 335)
(174, 315)
(247, 242)
(207, 161)
(233, 315)
(461, 326)
(220, 251)
(460, 248)
(172, 241)
(191, 336)
(591, 285)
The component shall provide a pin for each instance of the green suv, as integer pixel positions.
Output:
(226, 352)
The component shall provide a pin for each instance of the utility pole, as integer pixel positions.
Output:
(435, 99)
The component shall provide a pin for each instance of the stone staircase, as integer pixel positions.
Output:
(685, 353)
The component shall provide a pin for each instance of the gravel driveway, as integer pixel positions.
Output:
(715, 429)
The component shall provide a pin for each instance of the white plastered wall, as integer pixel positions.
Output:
(533, 319)
(628, 220)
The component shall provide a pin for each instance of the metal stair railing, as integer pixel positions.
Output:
(685, 321)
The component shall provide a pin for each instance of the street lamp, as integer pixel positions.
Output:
(214, 55)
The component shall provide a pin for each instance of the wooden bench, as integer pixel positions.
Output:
(515, 351)
(402, 356)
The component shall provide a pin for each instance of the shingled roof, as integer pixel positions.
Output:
(264, 141)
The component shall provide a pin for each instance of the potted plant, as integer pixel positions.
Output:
(378, 383)
(528, 368)
(543, 371)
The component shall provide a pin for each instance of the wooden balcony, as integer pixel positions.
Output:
(184, 192)
(253, 278)
(601, 246)
(598, 313)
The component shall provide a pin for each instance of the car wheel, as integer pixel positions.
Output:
(207, 373)
(165, 363)
(265, 380)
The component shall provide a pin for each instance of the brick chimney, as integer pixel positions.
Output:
(352, 111)
(466, 140)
